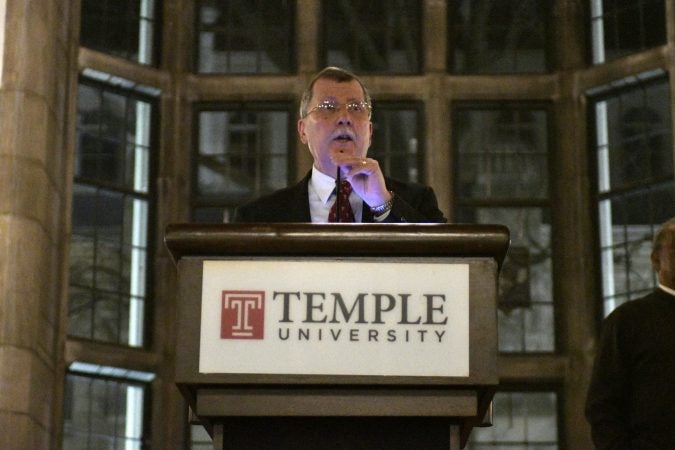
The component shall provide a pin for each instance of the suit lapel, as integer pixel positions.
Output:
(299, 196)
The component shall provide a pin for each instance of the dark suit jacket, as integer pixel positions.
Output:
(413, 203)
(632, 392)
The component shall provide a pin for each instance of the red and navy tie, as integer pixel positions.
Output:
(346, 213)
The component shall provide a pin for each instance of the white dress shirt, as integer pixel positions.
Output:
(321, 191)
(667, 289)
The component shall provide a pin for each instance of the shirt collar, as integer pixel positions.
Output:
(323, 185)
(667, 289)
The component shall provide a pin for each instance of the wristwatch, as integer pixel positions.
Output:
(384, 207)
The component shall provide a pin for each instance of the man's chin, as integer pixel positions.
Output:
(348, 149)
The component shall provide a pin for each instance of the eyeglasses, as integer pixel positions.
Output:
(329, 109)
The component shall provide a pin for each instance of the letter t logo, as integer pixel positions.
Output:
(242, 315)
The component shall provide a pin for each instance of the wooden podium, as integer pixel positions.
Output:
(283, 400)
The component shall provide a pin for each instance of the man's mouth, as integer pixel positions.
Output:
(343, 138)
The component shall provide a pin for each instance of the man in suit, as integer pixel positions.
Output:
(631, 399)
(335, 125)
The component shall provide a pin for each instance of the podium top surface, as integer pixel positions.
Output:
(439, 240)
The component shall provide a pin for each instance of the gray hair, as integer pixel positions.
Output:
(330, 73)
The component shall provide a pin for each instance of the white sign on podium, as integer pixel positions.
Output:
(335, 317)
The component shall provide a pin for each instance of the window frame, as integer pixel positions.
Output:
(292, 57)
(546, 204)
(150, 197)
(401, 105)
(225, 202)
(147, 387)
(322, 51)
(602, 94)
(156, 39)
(547, 49)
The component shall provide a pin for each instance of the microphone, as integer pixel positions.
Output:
(337, 193)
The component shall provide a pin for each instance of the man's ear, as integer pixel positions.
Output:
(656, 260)
(301, 131)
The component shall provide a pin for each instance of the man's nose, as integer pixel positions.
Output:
(343, 116)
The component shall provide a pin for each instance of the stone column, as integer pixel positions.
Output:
(35, 173)
(575, 270)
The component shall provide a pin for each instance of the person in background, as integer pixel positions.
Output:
(335, 125)
(631, 398)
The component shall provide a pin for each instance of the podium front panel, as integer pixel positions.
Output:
(227, 399)
(471, 340)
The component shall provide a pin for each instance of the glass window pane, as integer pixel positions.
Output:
(526, 420)
(242, 153)
(113, 133)
(366, 36)
(110, 216)
(108, 254)
(538, 336)
(80, 311)
(501, 175)
(199, 438)
(397, 140)
(622, 27)
(245, 36)
(526, 310)
(125, 28)
(636, 191)
(632, 219)
(107, 311)
(502, 153)
(103, 413)
(639, 138)
(497, 36)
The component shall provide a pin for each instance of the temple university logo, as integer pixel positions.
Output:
(242, 315)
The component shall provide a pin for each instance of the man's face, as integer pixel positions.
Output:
(664, 259)
(342, 132)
